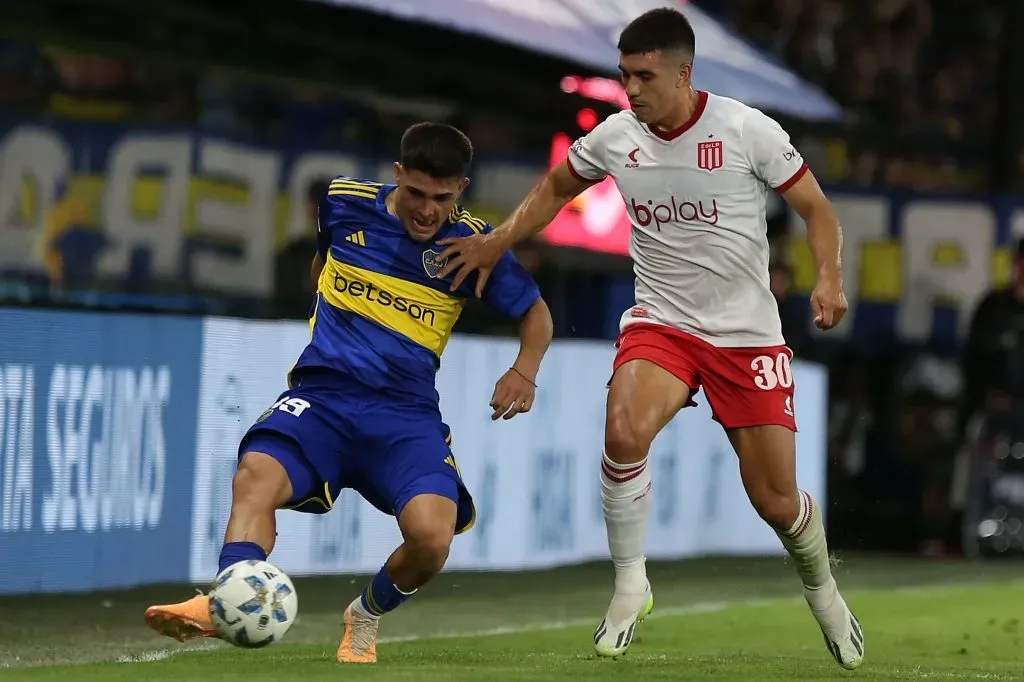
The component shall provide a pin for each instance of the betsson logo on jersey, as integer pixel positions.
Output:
(674, 211)
(383, 297)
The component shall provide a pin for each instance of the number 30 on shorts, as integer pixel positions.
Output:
(772, 372)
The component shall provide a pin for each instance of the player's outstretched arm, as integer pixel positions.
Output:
(557, 188)
(515, 391)
(481, 252)
(825, 239)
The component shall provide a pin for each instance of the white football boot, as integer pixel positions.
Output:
(615, 633)
(843, 635)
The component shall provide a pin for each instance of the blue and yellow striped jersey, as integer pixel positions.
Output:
(382, 317)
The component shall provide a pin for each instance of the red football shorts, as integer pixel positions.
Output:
(744, 386)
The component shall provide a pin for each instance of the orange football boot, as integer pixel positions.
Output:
(187, 620)
(359, 640)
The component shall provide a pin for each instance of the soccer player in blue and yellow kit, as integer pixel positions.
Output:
(361, 410)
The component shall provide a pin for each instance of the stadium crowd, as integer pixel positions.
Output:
(917, 70)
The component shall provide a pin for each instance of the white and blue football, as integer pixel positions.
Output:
(253, 604)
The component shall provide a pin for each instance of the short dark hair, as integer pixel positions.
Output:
(664, 29)
(437, 149)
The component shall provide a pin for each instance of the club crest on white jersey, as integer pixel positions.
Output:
(697, 198)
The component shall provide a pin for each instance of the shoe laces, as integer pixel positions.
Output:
(364, 633)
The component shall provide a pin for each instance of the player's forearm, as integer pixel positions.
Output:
(825, 239)
(535, 332)
(539, 208)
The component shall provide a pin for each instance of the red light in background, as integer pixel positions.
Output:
(597, 219)
(559, 148)
(571, 84)
(600, 89)
(586, 119)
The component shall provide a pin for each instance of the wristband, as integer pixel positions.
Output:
(523, 376)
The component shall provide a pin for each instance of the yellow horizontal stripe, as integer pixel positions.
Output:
(352, 193)
(473, 223)
(354, 184)
(417, 312)
(352, 181)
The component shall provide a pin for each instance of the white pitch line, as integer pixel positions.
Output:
(709, 607)
(674, 612)
(153, 656)
(699, 608)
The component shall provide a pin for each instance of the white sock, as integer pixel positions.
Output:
(357, 607)
(627, 498)
(805, 542)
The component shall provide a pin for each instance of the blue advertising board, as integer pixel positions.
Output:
(97, 449)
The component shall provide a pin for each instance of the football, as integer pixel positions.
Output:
(253, 604)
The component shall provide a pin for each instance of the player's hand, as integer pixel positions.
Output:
(513, 394)
(466, 254)
(828, 302)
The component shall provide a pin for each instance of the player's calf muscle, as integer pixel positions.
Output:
(259, 488)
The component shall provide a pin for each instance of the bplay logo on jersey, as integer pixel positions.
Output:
(674, 210)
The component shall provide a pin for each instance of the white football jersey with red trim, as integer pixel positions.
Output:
(697, 199)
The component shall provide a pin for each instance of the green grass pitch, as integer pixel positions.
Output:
(714, 619)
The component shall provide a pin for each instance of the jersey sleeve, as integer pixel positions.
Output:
(588, 155)
(773, 158)
(510, 289)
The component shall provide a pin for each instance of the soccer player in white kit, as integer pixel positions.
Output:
(694, 170)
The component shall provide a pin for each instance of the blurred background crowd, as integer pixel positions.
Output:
(930, 98)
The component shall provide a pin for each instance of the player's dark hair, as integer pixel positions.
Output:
(437, 149)
(663, 29)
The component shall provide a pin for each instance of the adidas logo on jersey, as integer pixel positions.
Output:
(356, 238)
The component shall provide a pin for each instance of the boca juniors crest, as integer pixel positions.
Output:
(432, 262)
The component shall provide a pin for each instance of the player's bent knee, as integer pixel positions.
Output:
(431, 549)
(428, 526)
(779, 510)
(260, 482)
(624, 442)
